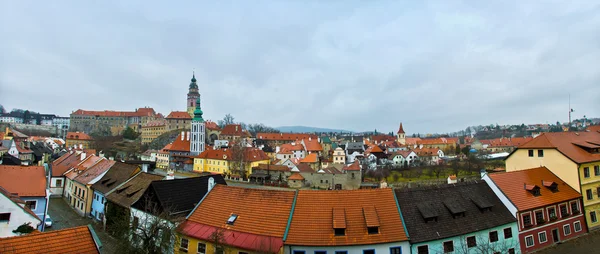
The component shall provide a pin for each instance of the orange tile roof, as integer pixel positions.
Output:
(79, 136)
(296, 176)
(513, 185)
(71, 240)
(181, 143)
(437, 141)
(250, 205)
(506, 142)
(568, 143)
(426, 152)
(84, 165)
(382, 138)
(25, 181)
(413, 141)
(355, 166)
(373, 149)
(233, 130)
(312, 219)
(64, 163)
(178, 115)
(310, 158)
(288, 148)
(285, 136)
(312, 145)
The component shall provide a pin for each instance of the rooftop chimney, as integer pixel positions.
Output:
(83, 155)
(182, 135)
(188, 136)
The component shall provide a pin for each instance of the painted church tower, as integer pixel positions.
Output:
(401, 136)
(193, 96)
(198, 131)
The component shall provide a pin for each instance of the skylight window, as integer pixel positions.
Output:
(232, 219)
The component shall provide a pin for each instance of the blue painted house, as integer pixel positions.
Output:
(458, 218)
(30, 185)
(114, 177)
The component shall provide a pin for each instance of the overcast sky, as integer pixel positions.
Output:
(436, 66)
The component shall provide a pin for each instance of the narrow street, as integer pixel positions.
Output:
(582, 245)
(64, 217)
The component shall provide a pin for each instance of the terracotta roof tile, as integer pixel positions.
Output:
(261, 212)
(233, 130)
(96, 170)
(25, 181)
(312, 219)
(210, 125)
(513, 185)
(311, 158)
(593, 128)
(178, 115)
(70, 240)
(355, 166)
(285, 136)
(568, 143)
(116, 175)
(181, 143)
(312, 145)
(304, 168)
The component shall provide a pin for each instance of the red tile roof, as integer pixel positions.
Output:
(568, 143)
(304, 168)
(513, 185)
(181, 143)
(249, 205)
(412, 141)
(289, 148)
(426, 152)
(210, 125)
(240, 240)
(436, 141)
(178, 115)
(285, 136)
(70, 240)
(593, 128)
(110, 113)
(352, 167)
(94, 171)
(313, 218)
(84, 165)
(233, 130)
(79, 136)
(25, 181)
(382, 138)
(400, 129)
(251, 154)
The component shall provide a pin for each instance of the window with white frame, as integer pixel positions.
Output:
(31, 204)
(183, 245)
(529, 241)
(201, 248)
(567, 229)
(577, 226)
(542, 237)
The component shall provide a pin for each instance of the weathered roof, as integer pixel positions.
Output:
(315, 212)
(116, 175)
(78, 136)
(178, 197)
(285, 136)
(80, 239)
(25, 181)
(436, 203)
(64, 163)
(126, 194)
(94, 171)
(179, 115)
(512, 185)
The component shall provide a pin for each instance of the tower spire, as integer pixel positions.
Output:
(198, 111)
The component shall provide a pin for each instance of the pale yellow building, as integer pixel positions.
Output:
(572, 156)
(152, 130)
(220, 161)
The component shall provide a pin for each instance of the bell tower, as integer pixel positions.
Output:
(198, 131)
(401, 135)
(193, 96)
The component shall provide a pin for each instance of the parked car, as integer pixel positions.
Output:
(48, 221)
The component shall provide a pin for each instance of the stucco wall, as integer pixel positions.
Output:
(17, 217)
(556, 162)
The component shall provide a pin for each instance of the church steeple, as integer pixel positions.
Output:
(192, 96)
(198, 112)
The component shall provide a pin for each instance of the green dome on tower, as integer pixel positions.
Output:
(198, 112)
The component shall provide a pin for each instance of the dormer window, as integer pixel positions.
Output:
(339, 221)
(455, 208)
(339, 231)
(428, 212)
(373, 230)
(232, 219)
(533, 189)
(552, 186)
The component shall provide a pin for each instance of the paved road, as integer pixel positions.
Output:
(589, 243)
(64, 216)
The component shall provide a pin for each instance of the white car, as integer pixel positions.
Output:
(48, 221)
